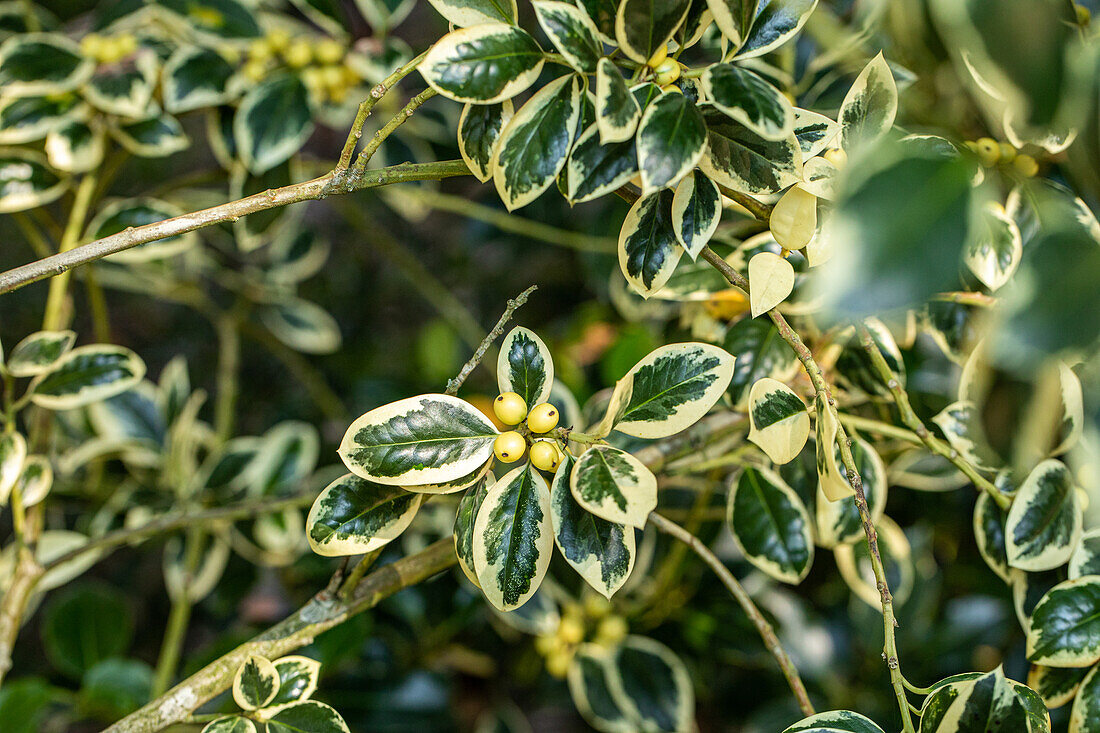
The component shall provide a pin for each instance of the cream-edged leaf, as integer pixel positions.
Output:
(479, 128)
(525, 367)
(1086, 558)
(596, 168)
(1073, 409)
(590, 689)
(76, 146)
(1065, 625)
(13, 453)
(36, 480)
(571, 32)
(298, 677)
(513, 538)
(354, 516)
(648, 250)
(696, 211)
(36, 354)
(771, 280)
(870, 106)
(195, 77)
(775, 22)
(770, 524)
(309, 715)
(255, 683)
(813, 131)
(740, 159)
(124, 88)
(994, 249)
(1055, 685)
(1044, 523)
(614, 485)
(961, 425)
(838, 521)
(27, 119)
(835, 721)
(465, 516)
(602, 552)
(465, 13)
(778, 421)
(230, 724)
(643, 26)
(989, 535)
(671, 139)
(26, 182)
(749, 99)
(980, 702)
(87, 374)
(1085, 715)
(652, 685)
(483, 64)
(155, 137)
(617, 110)
(831, 480)
(733, 18)
(428, 439)
(42, 63)
(793, 220)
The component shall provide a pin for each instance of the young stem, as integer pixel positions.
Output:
(229, 360)
(486, 343)
(55, 300)
(179, 616)
(790, 672)
(387, 129)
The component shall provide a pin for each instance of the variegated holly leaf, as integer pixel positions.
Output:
(1065, 625)
(1055, 685)
(87, 374)
(596, 168)
(26, 182)
(651, 685)
(353, 516)
(770, 524)
(614, 485)
(13, 452)
(853, 563)
(525, 367)
(813, 131)
(775, 23)
(155, 137)
(838, 520)
(465, 13)
(486, 63)
(591, 691)
(195, 77)
(1085, 715)
(869, 107)
(1073, 410)
(302, 325)
(961, 425)
(297, 681)
(1044, 523)
(793, 221)
(36, 480)
(835, 721)
(648, 250)
(740, 159)
(215, 19)
(571, 32)
(310, 715)
(977, 703)
(124, 88)
(771, 280)
(255, 683)
(831, 481)
(120, 215)
(617, 109)
(479, 128)
(733, 18)
(778, 421)
(453, 486)
(643, 26)
(468, 507)
(420, 440)
(230, 724)
(26, 119)
(994, 247)
(602, 552)
(760, 352)
(37, 353)
(534, 145)
(696, 211)
(749, 99)
(76, 146)
(272, 123)
(671, 139)
(513, 538)
(41, 63)
(1086, 558)
(989, 535)
(672, 387)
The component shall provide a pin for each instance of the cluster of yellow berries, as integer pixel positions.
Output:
(990, 153)
(321, 63)
(665, 70)
(108, 49)
(559, 647)
(510, 446)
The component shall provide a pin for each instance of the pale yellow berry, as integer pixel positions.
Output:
(989, 152)
(596, 606)
(329, 51)
(127, 44)
(548, 644)
(314, 80)
(545, 455)
(254, 70)
(333, 77)
(91, 45)
(509, 447)
(542, 418)
(1008, 153)
(260, 50)
(1084, 17)
(611, 630)
(836, 156)
(571, 630)
(510, 408)
(1026, 165)
(278, 39)
(666, 72)
(557, 664)
(658, 57)
(298, 54)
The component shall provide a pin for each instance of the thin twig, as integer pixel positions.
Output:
(790, 672)
(514, 304)
(387, 129)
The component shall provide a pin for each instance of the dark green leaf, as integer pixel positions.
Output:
(272, 122)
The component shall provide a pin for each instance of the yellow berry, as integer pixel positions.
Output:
(510, 408)
(596, 606)
(333, 77)
(509, 447)
(91, 45)
(836, 156)
(329, 51)
(658, 57)
(548, 644)
(1083, 14)
(667, 72)
(557, 664)
(278, 39)
(971, 146)
(545, 455)
(298, 54)
(988, 151)
(1008, 153)
(127, 44)
(1026, 165)
(571, 630)
(260, 50)
(254, 70)
(611, 630)
(542, 418)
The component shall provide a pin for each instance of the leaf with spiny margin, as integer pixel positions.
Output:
(298, 677)
(672, 387)
(354, 516)
(770, 524)
(696, 211)
(775, 23)
(870, 106)
(671, 139)
(468, 507)
(838, 520)
(256, 683)
(26, 182)
(602, 552)
(513, 538)
(479, 128)
(994, 247)
(835, 721)
(761, 352)
(465, 13)
(813, 131)
(614, 485)
(648, 250)
(617, 109)
(1056, 685)
(733, 18)
(87, 374)
(13, 452)
(985, 702)
(571, 32)
(1085, 714)
(1044, 523)
(740, 159)
(525, 367)
(37, 353)
(961, 425)
(483, 64)
(596, 168)
(749, 99)
(643, 26)
(307, 717)
(652, 685)
(778, 421)
(591, 692)
(428, 439)
(535, 144)
(1065, 625)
